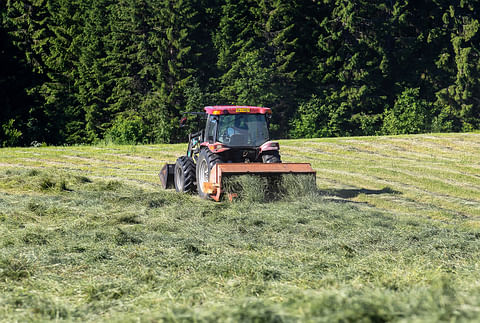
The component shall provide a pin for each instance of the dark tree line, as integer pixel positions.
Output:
(80, 71)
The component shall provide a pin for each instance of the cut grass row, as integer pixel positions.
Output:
(439, 170)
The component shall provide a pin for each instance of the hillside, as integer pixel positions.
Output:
(392, 233)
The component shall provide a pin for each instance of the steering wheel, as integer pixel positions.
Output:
(225, 137)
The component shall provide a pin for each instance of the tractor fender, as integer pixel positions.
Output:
(269, 146)
(216, 147)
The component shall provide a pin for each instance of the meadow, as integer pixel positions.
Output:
(390, 233)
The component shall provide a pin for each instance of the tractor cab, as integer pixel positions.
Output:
(239, 133)
(237, 127)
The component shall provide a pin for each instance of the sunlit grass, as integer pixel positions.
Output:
(389, 234)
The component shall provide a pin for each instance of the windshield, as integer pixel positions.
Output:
(242, 129)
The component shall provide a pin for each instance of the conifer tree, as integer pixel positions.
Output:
(60, 56)
(458, 101)
(22, 21)
(94, 83)
(257, 44)
(47, 31)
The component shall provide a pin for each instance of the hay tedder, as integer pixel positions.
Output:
(235, 141)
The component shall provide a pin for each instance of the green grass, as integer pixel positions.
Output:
(390, 234)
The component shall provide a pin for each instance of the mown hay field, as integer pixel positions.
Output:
(391, 233)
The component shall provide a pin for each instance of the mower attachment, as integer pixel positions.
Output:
(166, 176)
(214, 186)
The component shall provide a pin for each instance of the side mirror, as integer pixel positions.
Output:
(183, 121)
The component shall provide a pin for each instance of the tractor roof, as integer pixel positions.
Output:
(236, 109)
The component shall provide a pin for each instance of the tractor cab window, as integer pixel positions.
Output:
(242, 129)
(211, 128)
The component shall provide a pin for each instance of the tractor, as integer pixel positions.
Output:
(235, 141)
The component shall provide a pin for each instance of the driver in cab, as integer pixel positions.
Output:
(238, 134)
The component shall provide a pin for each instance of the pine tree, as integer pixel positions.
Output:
(257, 43)
(47, 31)
(94, 83)
(363, 50)
(150, 60)
(16, 76)
(458, 101)
(21, 20)
(60, 55)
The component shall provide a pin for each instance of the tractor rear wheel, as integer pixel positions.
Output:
(184, 176)
(271, 157)
(206, 161)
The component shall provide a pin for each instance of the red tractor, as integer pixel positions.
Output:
(235, 141)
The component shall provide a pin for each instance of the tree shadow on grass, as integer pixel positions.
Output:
(351, 193)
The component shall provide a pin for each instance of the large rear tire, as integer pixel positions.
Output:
(184, 175)
(271, 157)
(206, 161)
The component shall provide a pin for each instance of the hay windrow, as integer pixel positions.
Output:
(261, 188)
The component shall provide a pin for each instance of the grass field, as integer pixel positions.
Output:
(391, 233)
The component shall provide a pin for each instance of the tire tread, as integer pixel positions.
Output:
(189, 176)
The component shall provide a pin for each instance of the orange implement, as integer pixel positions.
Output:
(214, 186)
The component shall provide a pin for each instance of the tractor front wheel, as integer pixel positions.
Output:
(271, 157)
(206, 161)
(184, 175)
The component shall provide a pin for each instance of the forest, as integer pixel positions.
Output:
(124, 71)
